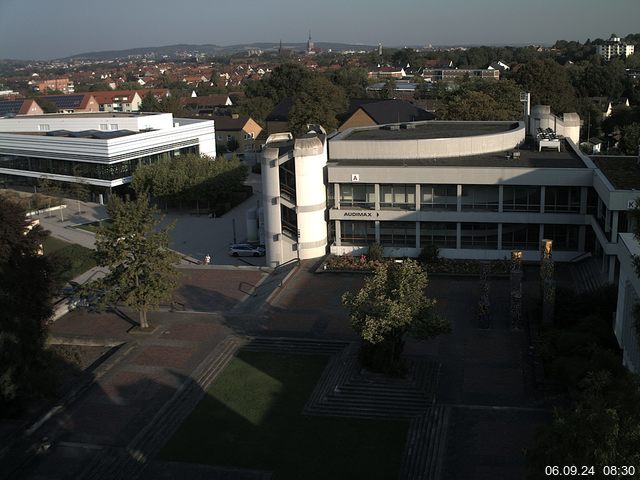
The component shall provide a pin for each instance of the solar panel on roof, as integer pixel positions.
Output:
(10, 106)
(65, 102)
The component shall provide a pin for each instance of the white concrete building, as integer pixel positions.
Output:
(100, 149)
(614, 47)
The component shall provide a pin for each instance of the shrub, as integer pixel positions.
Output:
(376, 252)
(429, 254)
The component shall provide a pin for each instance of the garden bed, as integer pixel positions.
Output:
(441, 266)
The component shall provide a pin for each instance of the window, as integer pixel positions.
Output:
(289, 222)
(287, 172)
(357, 233)
(43, 127)
(114, 126)
(562, 199)
(438, 197)
(520, 236)
(565, 237)
(521, 199)
(440, 234)
(104, 126)
(229, 137)
(357, 196)
(480, 235)
(398, 234)
(480, 197)
(398, 196)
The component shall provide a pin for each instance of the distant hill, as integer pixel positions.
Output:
(180, 50)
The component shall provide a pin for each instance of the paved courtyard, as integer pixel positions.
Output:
(488, 408)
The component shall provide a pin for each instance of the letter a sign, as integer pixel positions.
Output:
(355, 177)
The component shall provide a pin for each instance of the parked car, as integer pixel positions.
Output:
(246, 250)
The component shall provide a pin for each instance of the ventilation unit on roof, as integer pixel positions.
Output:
(408, 126)
(394, 127)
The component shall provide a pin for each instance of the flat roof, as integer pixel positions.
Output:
(431, 130)
(86, 115)
(622, 171)
(530, 157)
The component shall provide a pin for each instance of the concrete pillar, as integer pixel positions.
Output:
(376, 194)
(458, 234)
(500, 200)
(377, 230)
(417, 197)
(338, 231)
(459, 198)
(583, 200)
(543, 193)
(582, 236)
(336, 195)
(614, 226)
(599, 208)
(500, 230)
(271, 206)
(541, 233)
(612, 268)
(607, 221)
(418, 235)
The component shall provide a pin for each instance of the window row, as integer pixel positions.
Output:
(474, 197)
(100, 171)
(472, 235)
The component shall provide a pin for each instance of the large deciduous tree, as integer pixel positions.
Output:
(27, 284)
(389, 307)
(319, 102)
(141, 268)
(549, 84)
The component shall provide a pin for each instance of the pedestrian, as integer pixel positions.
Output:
(207, 259)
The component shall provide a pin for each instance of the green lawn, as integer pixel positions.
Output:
(93, 226)
(75, 259)
(251, 418)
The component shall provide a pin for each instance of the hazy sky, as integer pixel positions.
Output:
(45, 29)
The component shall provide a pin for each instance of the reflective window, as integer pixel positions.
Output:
(520, 236)
(440, 234)
(438, 197)
(398, 234)
(357, 233)
(520, 199)
(398, 196)
(353, 195)
(480, 197)
(479, 235)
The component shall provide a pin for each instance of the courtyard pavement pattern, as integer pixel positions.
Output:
(491, 407)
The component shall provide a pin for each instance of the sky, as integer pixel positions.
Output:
(46, 29)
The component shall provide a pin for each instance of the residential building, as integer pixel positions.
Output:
(369, 112)
(387, 72)
(63, 85)
(208, 105)
(614, 47)
(25, 106)
(99, 149)
(449, 74)
(239, 128)
(75, 103)
(118, 100)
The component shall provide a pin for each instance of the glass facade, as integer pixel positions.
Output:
(398, 196)
(520, 236)
(289, 222)
(357, 196)
(357, 233)
(565, 237)
(398, 234)
(440, 234)
(562, 200)
(520, 199)
(98, 171)
(480, 197)
(287, 172)
(480, 235)
(438, 197)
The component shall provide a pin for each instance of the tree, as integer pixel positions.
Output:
(149, 103)
(390, 306)
(27, 284)
(319, 102)
(481, 100)
(353, 80)
(549, 84)
(601, 429)
(141, 267)
(257, 108)
(388, 89)
(47, 106)
(630, 142)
